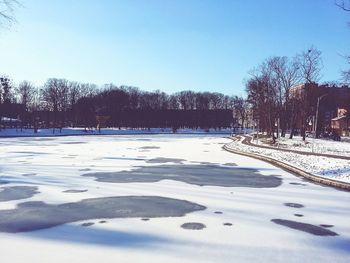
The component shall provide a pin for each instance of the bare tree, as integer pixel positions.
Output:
(55, 94)
(74, 93)
(88, 89)
(346, 73)
(7, 8)
(173, 102)
(187, 99)
(240, 110)
(5, 89)
(311, 65)
(216, 101)
(263, 94)
(345, 5)
(203, 100)
(310, 62)
(287, 73)
(25, 94)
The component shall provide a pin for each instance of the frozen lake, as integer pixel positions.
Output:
(160, 198)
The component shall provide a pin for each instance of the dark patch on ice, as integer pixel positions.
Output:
(326, 226)
(193, 226)
(3, 182)
(192, 174)
(72, 155)
(75, 191)
(85, 169)
(227, 224)
(308, 228)
(88, 224)
(293, 183)
(145, 219)
(17, 192)
(73, 142)
(29, 174)
(149, 147)
(165, 160)
(230, 164)
(298, 215)
(206, 163)
(122, 158)
(102, 221)
(294, 205)
(31, 153)
(30, 216)
(206, 151)
(44, 139)
(218, 212)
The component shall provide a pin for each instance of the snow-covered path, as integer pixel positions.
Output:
(251, 211)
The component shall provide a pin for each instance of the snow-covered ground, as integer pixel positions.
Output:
(12, 132)
(336, 169)
(275, 216)
(325, 146)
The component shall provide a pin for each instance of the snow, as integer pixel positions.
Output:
(323, 146)
(6, 119)
(54, 165)
(336, 169)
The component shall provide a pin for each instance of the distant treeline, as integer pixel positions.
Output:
(62, 103)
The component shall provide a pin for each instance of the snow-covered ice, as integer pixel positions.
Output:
(235, 226)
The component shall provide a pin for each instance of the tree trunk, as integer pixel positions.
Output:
(291, 132)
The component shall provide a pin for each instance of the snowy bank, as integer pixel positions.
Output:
(332, 168)
(310, 145)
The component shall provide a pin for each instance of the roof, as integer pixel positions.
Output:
(338, 118)
(6, 119)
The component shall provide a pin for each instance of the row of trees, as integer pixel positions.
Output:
(270, 102)
(269, 91)
(61, 102)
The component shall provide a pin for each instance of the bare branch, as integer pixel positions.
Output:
(343, 5)
(311, 65)
(7, 8)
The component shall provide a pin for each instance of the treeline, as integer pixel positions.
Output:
(283, 95)
(61, 103)
(270, 92)
(271, 103)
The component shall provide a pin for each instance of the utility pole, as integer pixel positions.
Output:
(317, 107)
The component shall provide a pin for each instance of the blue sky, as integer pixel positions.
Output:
(171, 45)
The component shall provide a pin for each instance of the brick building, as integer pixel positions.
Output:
(333, 104)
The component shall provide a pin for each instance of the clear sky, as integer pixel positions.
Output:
(171, 45)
